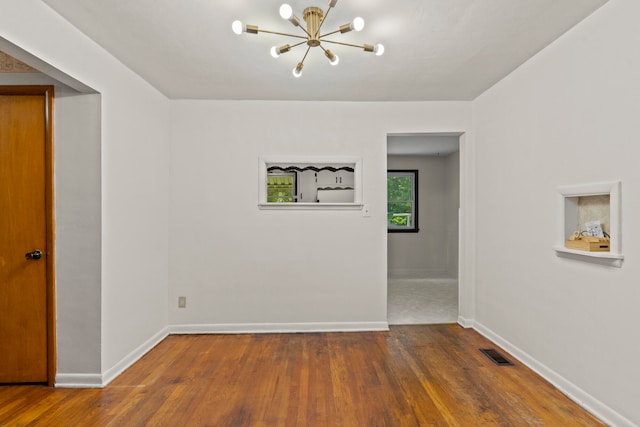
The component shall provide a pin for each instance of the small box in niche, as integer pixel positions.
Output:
(588, 243)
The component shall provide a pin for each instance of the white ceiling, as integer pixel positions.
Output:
(435, 49)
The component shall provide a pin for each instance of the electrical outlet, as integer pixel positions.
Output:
(182, 302)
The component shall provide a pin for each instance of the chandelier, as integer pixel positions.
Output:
(314, 18)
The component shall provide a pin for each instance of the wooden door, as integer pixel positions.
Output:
(26, 288)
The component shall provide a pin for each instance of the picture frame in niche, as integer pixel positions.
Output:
(329, 183)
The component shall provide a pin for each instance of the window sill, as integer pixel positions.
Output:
(310, 206)
(602, 258)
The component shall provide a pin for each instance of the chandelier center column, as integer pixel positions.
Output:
(313, 17)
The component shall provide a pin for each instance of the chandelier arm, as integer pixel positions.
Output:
(344, 44)
(328, 34)
(282, 34)
(297, 44)
(305, 55)
(324, 16)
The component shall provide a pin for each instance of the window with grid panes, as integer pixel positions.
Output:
(402, 201)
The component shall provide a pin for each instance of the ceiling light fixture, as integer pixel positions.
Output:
(314, 18)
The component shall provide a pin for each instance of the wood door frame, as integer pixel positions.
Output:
(48, 93)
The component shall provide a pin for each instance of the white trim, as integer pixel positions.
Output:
(571, 390)
(102, 380)
(466, 323)
(603, 258)
(258, 328)
(78, 381)
(467, 229)
(133, 357)
(310, 206)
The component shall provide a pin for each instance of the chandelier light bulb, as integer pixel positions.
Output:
(297, 72)
(237, 27)
(357, 24)
(286, 12)
(333, 58)
(277, 51)
(379, 49)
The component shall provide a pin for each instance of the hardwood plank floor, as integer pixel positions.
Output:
(429, 375)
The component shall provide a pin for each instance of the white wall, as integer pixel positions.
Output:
(242, 268)
(134, 185)
(78, 239)
(428, 252)
(568, 116)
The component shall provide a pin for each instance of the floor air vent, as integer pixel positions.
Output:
(496, 357)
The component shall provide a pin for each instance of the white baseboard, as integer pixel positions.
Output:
(575, 393)
(101, 380)
(258, 328)
(466, 323)
(78, 381)
(133, 357)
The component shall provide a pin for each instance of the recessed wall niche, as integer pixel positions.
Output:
(581, 204)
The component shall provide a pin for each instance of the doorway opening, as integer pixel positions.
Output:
(422, 265)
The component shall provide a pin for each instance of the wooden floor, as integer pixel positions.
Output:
(411, 376)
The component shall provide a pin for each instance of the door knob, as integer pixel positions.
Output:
(37, 254)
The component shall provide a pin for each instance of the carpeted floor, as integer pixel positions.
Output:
(422, 301)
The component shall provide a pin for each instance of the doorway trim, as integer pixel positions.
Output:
(48, 93)
(466, 220)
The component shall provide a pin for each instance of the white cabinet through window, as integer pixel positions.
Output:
(340, 178)
(307, 189)
(345, 178)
